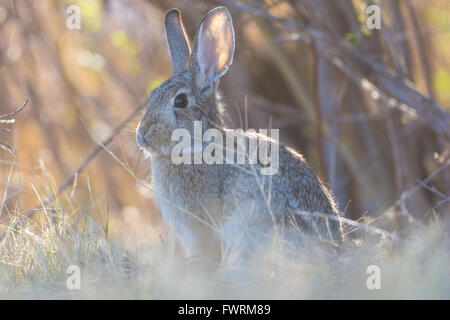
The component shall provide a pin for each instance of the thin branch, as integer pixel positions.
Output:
(406, 194)
(7, 147)
(431, 189)
(15, 111)
(353, 223)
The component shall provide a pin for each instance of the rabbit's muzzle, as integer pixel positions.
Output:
(153, 136)
(145, 136)
(141, 140)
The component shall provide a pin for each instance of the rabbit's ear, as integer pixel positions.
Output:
(213, 48)
(177, 41)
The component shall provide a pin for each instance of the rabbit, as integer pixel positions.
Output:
(223, 212)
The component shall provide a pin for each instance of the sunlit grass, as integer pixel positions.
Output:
(35, 255)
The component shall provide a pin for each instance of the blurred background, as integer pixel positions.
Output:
(367, 108)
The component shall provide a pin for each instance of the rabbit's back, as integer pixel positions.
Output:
(293, 194)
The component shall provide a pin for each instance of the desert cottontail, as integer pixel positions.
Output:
(222, 210)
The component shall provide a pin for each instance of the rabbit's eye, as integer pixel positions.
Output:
(180, 101)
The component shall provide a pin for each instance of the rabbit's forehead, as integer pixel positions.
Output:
(171, 87)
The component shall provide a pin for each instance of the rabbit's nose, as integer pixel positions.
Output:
(139, 138)
(143, 137)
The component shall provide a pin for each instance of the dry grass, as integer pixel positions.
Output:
(35, 254)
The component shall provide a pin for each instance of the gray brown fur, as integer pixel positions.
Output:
(222, 211)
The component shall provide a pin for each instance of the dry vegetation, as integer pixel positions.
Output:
(368, 108)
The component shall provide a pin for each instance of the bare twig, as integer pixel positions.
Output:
(7, 148)
(3, 145)
(406, 194)
(353, 223)
(411, 191)
(15, 111)
(431, 189)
